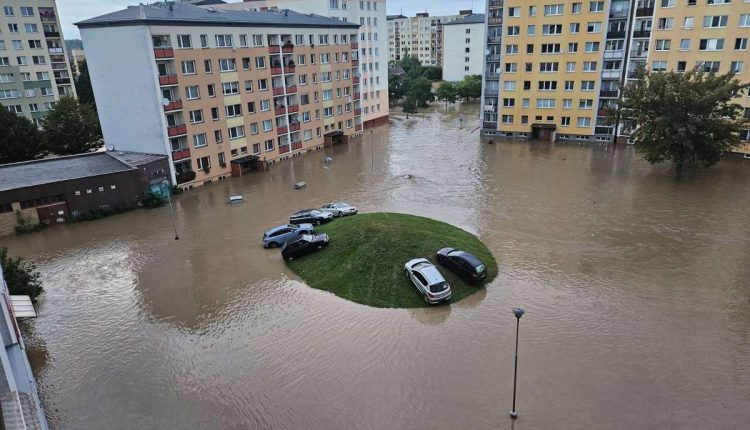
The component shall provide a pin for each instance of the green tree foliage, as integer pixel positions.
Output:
(412, 66)
(686, 118)
(432, 73)
(83, 85)
(395, 88)
(447, 92)
(470, 87)
(19, 138)
(21, 276)
(420, 90)
(71, 128)
(409, 106)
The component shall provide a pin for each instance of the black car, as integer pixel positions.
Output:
(304, 245)
(312, 216)
(463, 264)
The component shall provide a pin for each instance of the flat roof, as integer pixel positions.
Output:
(468, 19)
(187, 14)
(50, 170)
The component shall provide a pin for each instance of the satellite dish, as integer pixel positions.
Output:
(165, 101)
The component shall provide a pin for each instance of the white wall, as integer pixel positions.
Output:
(454, 50)
(125, 81)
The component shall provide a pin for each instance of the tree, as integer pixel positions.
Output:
(470, 87)
(395, 88)
(409, 106)
(412, 66)
(71, 128)
(83, 85)
(432, 73)
(21, 276)
(420, 90)
(447, 92)
(686, 118)
(19, 138)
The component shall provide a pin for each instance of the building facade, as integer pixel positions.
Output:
(420, 36)
(373, 62)
(552, 69)
(463, 47)
(34, 72)
(211, 88)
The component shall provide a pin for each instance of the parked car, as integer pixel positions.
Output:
(339, 209)
(428, 280)
(306, 244)
(312, 216)
(276, 236)
(463, 264)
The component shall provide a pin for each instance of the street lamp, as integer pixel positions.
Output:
(518, 312)
(372, 151)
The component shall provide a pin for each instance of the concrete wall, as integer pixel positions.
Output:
(454, 50)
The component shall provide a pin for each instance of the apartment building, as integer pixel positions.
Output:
(34, 72)
(552, 69)
(463, 47)
(419, 36)
(221, 90)
(373, 63)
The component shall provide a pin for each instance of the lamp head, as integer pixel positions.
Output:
(518, 312)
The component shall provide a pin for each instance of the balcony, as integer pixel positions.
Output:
(358, 127)
(283, 149)
(173, 105)
(287, 48)
(294, 127)
(279, 111)
(355, 63)
(278, 91)
(494, 21)
(611, 74)
(291, 89)
(602, 130)
(276, 70)
(601, 112)
(493, 57)
(608, 93)
(47, 15)
(642, 33)
(168, 80)
(490, 125)
(296, 145)
(355, 96)
(644, 11)
(282, 130)
(163, 53)
(491, 92)
(354, 45)
(51, 34)
(638, 53)
(494, 39)
(176, 130)
(274, 49)
(292, 108)
(289, 69)
(496, 3)
(492, 75)
(616, 34)
(180, 154)
(61, 81)
(357, 112)
(57, 59)
(355, 79)
(613, 54)
(59, 66)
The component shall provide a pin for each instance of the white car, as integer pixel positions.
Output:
(428, 280)
(339, 209)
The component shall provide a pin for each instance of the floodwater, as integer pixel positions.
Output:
(636, 286)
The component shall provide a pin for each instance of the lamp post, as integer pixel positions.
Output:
(171, 211)
(372, 151)
(518, 312)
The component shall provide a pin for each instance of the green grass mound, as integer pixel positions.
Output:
(364, 261)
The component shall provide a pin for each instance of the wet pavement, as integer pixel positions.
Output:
(636, 286)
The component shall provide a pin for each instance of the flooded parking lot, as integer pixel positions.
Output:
(636, 286)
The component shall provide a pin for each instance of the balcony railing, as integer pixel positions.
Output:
(355, 79)
(282, 130)
(60, 81)
(608, 93)
(603, 130)
(611, 74)
(55, 50)
(288, 48)
(638, 54)
(492, 75)
(616, 34)
(490, 125)
(494, 39)
(168, 80)
(296, 145)
(292, 108)
(644, 11)
(173, 105)
(51, 34)
(358, 127)
(601, 112)
(642, 33)
(57, 59)
(355, 63)
(613, 54)
(494, 21)
(274, 49)
(283, 149)
(355, 96)
(357, 112)
(278, 91)
(496, 3)
(176, 130)
(294, 127)
(163, 52)
(289, 69)
(59, 66)
(493, 57)
(354, 45)
(276, 70)
(291, 89)
(180, 154)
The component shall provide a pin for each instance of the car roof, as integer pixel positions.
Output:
(303, 211)
(430, 272)
(474, 261)
(278, 227)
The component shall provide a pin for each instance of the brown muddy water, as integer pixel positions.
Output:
(636, 286)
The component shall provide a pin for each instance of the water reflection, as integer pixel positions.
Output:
(635, 285)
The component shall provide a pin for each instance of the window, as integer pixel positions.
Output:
(575, 8)
(569, 85)
(224, 41)
(718, 21)
(196, 116)
(573, 47)
(262, 84)
(513, 30)
(665, 23)
(684, 44)
(585, 104)
(38, 59)
(199, 140)
(207, 66)
(589, 66)
(514, 12)
(593, 27)
(570, 66)
(204, 163)
(35, 44)
(183, 41)
(509, 85)
(229, 88)
(659, 66)
(575, 27)
(257, 40)
(663, 44)
(592, 46)
(736, 67)
(269, 145)
(551, 29)
(253, 128)
(267, 125)
(711, 44)
(548, 67)
(265, 105)
(217, 136)
(256, 148)
(553, 9)
(681, 66)
(260, 62)
(547, 85)
(588, 85)
(204, 41)
(188, 67)
(211, 90)
(688, 23)
(237, 132)
(669, 3)
(511, 67)
(509, 102)
(328, 112)
(17, 44)
(30, 28)
(584, 122)
(192, 92)
(596, 6)
(246, 63)
(243, 40)
(745, 20)
(13, 28)
(251, 107)
(531, 30)
(550, 48)
(507, 119)
(709, 66)
(8, 10)
(215, 113)
(740, 44)
(545, 103)
(565, 121)
(233, 110)
(227, 65)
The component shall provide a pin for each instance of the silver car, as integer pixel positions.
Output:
(428, 280)
(339, 209)
(277, 236)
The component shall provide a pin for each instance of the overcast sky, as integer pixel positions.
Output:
(77, 10)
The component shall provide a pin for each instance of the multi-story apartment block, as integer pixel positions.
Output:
(420, 36)
(34, 72)
(220, 90)
(463, 47)
(373, 63)
(552, 68)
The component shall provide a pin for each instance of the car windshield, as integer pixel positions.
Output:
(440, 286)
(314, 212)
(480, 268)
(292, 226)
(307, 237)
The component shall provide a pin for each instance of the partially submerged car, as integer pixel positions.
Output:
(463, 264)
(312, 216)
(304, 245)
(428, 280)
(278, 235)
(339, 209)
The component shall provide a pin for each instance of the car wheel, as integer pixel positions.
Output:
(317, 222)
(406, 272)
(289, 259)
(426, 300)
(320, 246)
(340, 214)
(273, 245)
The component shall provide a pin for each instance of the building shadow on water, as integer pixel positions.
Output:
(437, 315)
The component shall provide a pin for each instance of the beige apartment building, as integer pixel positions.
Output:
(222, 91)
(34, 72)
(420, 36)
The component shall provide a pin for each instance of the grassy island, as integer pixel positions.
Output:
(365, 260)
